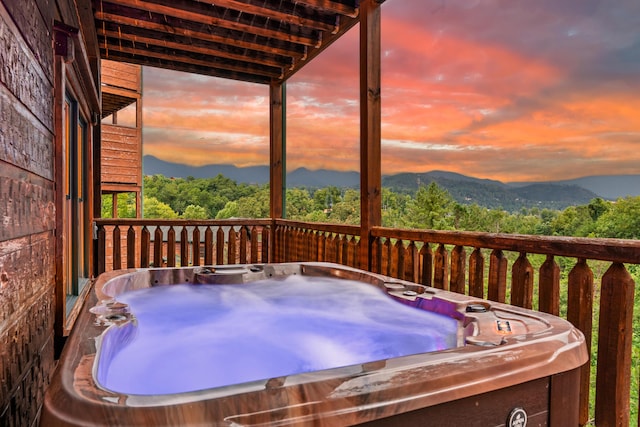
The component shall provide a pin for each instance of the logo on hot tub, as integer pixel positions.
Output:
(517, 418)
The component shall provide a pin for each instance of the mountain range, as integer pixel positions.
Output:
(464, 189)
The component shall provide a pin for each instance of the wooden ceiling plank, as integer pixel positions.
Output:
(212, 20)
(209, 51)
(188, 60)
(188, 68)
(291, 17)
(332, 6)
(199, 35)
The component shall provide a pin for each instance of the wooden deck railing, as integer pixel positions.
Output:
(135, 243)
(516, 269)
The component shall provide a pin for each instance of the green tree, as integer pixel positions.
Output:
(153, 208)
(230, 210)
(621, 220)
(573, 221)
(597, 207)
(298, 203)
(347, 210)
(430, 209)
(194, 212)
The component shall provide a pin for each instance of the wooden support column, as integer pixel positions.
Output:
(277, 169)
(370, 129)
(277, 149)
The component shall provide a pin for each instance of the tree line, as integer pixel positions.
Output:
(430, 207)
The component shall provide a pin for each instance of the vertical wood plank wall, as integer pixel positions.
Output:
(27, 230)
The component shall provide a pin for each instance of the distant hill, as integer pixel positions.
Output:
(490, 193)
(250, 175)
(300, 177)
(464, 189)
(606, 186)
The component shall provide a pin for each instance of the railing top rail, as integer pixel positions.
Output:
(614, 250)
(321, 226)
(181, 222)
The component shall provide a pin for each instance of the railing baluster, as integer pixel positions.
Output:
(549, 287)
(145, 247)
(522, 282)
(171, 247)
(196, 246)
(497, 277)
(220, 246)
(243, 245)
(322, 246)
(280, 248)
(376, 255)
(308, 252)
(426, 265)
(265, 244)
(231, 247)
(353, 252)
(131, 247)
(580, 314)
(117, 249)
(458, 272)
(440, 273)
(253, 242)
(410, 262)
(396, 263)
(102, 249)
(208, 246)
(476, 274)
(299, 239)
(315, 246)
(157, 247)
(386, 257)
(344, 249)
(184, 247)
(615, 333)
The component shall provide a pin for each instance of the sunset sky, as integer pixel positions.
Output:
(514, 90)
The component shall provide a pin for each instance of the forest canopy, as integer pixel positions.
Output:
(430, 207)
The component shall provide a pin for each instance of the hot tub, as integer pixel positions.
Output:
(429, 357)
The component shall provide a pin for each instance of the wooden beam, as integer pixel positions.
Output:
(290, 16)
(207, 70)
(206, 14)
(277, 149)
(212, 62)
(346, 24)
(332, 6)
(370, 129)
(173, 26)
(195, 47)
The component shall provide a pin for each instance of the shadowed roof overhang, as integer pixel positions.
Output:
(260, 41)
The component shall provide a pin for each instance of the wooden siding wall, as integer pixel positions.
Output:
(27, 230)
(121, 157)
(121, 75)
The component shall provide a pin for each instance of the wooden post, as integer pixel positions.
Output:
(277, 149)
(613, 378)
(370, 128)
(580, 314)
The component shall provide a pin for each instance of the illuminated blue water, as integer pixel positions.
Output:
(194, 337)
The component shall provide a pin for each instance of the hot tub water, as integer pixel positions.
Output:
(194, 337)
